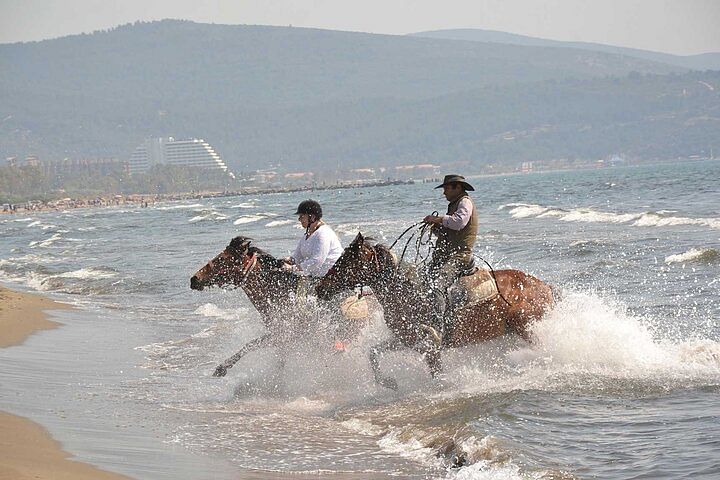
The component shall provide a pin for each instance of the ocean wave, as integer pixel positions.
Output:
(407, 444)
(211, 216)
(252, 218)
(363, 427)
(39, 224)
(247, 219)
(244, 205)
(36, 281)
(657, 220)
(45, 243)
(213, 311)
(695, 255)
(180, 207)
(87, 273)
(662, 218)
(277, 223)
(488, 470)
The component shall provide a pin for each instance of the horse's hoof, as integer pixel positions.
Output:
(390, 383)
(458, 460)
(220, 371)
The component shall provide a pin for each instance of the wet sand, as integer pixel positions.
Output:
(21, 314)
(27, 451)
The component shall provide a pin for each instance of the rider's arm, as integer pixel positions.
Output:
(296, 256)
(461, 217)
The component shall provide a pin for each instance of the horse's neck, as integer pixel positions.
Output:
(267, 288)
(400, 299)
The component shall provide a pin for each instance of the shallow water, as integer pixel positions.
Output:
(622, 383)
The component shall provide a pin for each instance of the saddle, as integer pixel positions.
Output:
(473, 287)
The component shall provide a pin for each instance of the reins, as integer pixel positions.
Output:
(246, 270)
(420, 243)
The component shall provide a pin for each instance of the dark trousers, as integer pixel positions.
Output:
(441, 276)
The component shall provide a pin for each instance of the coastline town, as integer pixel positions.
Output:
(197, 157)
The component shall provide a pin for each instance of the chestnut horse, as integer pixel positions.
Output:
(523, 299)
(272, 291)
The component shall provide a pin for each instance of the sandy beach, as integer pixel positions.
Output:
(27, 451)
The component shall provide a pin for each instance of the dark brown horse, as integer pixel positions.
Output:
(523, 299)
(275, 293)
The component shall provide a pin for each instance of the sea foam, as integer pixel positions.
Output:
(589, 215)
(696, 255)
(87, 273)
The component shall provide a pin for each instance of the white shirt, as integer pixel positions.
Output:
(461, 217)
(318, 253)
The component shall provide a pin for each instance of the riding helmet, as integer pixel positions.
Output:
(310, 207)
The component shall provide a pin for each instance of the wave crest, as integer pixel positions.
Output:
(663, 218)
(695, 255)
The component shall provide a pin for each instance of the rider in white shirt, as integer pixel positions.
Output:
(319, 248)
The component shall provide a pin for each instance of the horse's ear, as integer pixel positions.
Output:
(359, 239)
(240, 244)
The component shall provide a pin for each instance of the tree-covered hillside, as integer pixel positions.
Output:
(309, 99)
(703, 61)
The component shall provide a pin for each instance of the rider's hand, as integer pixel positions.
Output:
(433, 219)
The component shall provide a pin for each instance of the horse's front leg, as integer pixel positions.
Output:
(261, 342)
(432, 358)
(375, 353)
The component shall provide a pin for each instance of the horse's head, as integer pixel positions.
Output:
(232, 266)
(360, 264)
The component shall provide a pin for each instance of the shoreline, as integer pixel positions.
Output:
(22, 314)
(27, 450)
(146, 199)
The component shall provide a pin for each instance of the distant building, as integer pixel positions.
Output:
(97, 166)
(77, 166)
(194, 152)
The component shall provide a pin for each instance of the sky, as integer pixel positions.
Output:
(682, 27)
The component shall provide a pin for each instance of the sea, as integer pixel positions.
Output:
(621, 381)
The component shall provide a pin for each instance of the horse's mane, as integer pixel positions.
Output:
(241, 243)
(383, 251)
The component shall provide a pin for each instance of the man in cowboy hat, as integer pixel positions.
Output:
(456, 233)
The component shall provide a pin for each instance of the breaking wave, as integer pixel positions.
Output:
(87, 273)
(695, 255)
(252, 218)
(180, 207)
(277, 223)
(208, 216)
(663, 218)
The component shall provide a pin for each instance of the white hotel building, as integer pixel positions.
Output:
(168, 151)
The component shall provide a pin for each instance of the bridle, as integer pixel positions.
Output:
(248, 267)
(248, 264)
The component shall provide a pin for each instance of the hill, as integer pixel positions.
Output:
(704, 61)
(312, 99)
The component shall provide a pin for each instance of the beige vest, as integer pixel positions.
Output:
(456, 244)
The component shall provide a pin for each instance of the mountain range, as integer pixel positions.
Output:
(309, 99)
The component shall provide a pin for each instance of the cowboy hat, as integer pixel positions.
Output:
(456, 179)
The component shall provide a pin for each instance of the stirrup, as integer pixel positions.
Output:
(433, 334)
